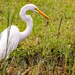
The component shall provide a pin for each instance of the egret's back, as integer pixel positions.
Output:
(9, 40)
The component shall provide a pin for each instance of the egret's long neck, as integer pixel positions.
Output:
(29, 21)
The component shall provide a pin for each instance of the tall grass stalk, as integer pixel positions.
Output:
(12, 17)
(66, 59)
(59, 29)
(8, 32)
(73, 71)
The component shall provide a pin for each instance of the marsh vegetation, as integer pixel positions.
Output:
(50, 48)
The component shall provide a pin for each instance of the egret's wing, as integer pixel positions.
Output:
(11, 44)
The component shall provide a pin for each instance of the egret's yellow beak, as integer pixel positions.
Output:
(42, 13)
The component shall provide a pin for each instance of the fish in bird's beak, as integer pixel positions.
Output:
(42, 13)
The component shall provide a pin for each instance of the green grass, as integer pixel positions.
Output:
(47, 44)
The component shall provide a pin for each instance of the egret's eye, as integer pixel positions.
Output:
(35, 8)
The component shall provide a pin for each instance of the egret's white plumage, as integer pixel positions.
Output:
(15, 36)
(13, 41)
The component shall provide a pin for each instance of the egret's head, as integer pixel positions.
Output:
(32, 7)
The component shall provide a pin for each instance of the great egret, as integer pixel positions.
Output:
(15, 36)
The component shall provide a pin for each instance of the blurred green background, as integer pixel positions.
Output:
(51, 42)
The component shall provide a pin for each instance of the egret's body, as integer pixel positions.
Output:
(12, 42)
(14, 35)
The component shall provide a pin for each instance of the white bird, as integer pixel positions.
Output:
(13, 34)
